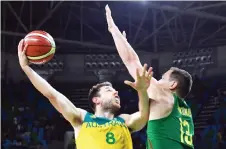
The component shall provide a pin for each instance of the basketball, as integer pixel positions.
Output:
(41, 47)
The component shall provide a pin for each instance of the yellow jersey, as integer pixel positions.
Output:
(103, 133)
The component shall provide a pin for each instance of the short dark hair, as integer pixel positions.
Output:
(94, 92)
(184, 81)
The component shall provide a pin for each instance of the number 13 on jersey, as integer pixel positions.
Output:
(186, 136)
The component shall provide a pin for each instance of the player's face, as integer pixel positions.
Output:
(109, 98)
(165, 81)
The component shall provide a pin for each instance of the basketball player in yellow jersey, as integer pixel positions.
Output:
(170, 124)
(101, 130)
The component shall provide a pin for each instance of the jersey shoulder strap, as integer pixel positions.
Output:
(118, 118)
(89, 117)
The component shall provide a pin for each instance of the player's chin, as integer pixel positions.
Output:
(116, 106)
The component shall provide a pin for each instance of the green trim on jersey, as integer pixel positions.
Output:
(100, 120)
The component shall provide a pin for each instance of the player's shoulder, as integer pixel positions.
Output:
(158, 94)
(83, 113)
(79, 117)
(122, 117)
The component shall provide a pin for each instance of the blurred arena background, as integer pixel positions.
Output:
(189, 35)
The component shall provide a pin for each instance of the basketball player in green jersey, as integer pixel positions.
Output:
(101, 130)
(170, 124)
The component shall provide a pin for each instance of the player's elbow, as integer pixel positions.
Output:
(143, 118)
(139, 126)
(49, 95)
(57, 102)
(132, 61)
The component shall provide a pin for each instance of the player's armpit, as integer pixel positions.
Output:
(71, 113)
(157, 93)
(135, 121)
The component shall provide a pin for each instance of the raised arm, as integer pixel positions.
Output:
(126, 52)
(138, 120)
(74, 115)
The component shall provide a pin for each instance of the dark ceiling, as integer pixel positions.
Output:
(150, 26)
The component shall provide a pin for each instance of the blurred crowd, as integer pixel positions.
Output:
(29, 121)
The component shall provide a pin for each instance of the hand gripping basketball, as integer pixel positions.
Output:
(21, 54)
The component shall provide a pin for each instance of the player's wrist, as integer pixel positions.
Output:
(24, 67)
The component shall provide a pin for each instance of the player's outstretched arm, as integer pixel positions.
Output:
(126, 52)
(138, 120)
(59, 101)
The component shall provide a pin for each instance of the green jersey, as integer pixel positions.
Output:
(175, 131)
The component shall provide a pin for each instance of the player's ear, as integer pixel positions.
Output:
(96, 100)
(173, 85)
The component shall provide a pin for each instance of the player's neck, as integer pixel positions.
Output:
(105, 114)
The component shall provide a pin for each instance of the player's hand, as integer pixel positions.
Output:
(143, 81)
(21, 54)
(110, 21)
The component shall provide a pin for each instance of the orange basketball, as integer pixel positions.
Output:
(41, 47)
